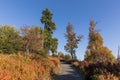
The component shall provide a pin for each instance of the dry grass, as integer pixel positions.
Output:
(19, 67)
(108, 77)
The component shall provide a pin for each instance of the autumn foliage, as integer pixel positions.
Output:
(72, 41)
(30, 67)
(97, 70)
(96, 51)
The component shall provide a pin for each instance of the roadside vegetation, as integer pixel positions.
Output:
(99, 62)
(30, 67)
(24, 53)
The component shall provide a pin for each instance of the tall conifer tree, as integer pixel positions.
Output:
(96, 51)
(49, 27)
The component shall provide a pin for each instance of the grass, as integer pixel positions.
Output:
(31, 67)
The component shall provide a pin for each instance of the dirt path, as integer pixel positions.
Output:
(68, 73)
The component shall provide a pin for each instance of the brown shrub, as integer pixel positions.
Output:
(19, 67)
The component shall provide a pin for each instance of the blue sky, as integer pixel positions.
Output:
(77, 12)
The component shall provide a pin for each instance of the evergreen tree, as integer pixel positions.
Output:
(49, 27)
(72, 41)
(96, 52)
(54, 45)
(46, 19)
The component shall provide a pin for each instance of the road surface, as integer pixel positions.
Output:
(68, 72)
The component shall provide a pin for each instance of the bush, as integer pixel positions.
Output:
(10, 41)
(30, 67)
(67, 57)
(108, 77)
(61, 55)
(100, 71)
(54, 55)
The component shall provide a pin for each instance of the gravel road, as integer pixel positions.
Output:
(68, 73)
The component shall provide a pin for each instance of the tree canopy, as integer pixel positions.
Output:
(50, 43)
(96, 51)
(32, 39)
(72, 40)
(46, 19)
(9, 39)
